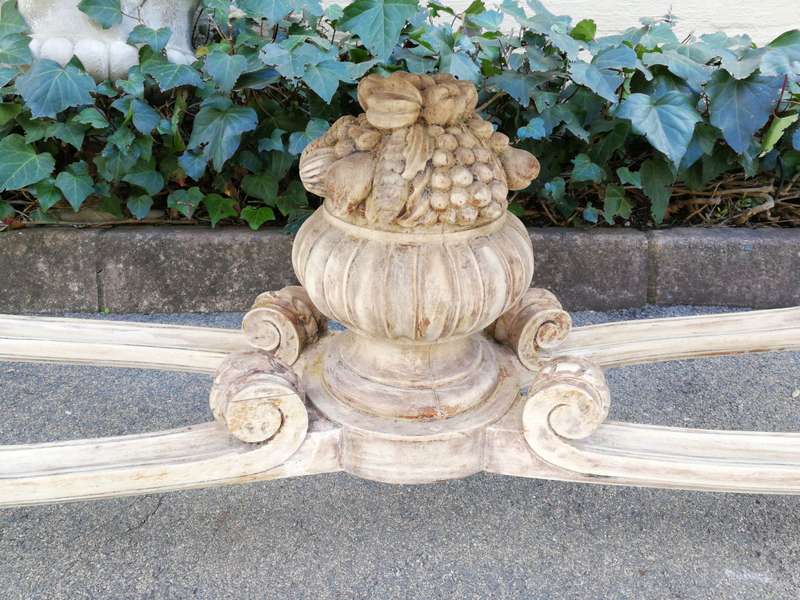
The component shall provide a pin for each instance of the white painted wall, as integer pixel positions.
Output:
(763, 20)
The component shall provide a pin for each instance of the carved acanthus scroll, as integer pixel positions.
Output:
(256, 396)
(283, 322)
(537, 322)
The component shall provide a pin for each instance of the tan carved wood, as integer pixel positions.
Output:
(450, 363)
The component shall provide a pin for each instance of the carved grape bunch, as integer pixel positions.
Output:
(420, 156)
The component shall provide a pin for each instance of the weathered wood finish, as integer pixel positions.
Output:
(414, 253)
(116, 344)
(655, 340)
(205, 455)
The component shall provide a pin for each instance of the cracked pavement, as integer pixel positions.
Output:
(335, 536)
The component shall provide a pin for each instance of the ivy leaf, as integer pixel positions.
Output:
(590, 213)
(11, 21)
(609, 143)
(6, 211)
(324, 77)
(69, 133)
(584, 30)
(272, 10)
(48, 88)
(264, 187)
(657, 179)
(76, 187)
(703, 141)
(258, 80)
(311, 7)
(298, 140)
(139, 206)
(293, 199)
(155, 38)
(273, 142)
(628, 177)
(225, 68)
(105, 13)
(15, 50)
(555, 190)
(520, 86)
(218, 129)
(490, 20)
(279, 164)
(534, 130)
(21, 165)
(113, 163)
(604, 74)
(775, 131)
(145, 118)
(193, 164)
(378, 23)
(91, 117)
(185, 201)
(740, 107)
(584, 169)
(783, 55)
(7, 73)
(667, 121)
(9, 111)
(681, 66)
(134, 84)
(602, 83)
(615, 204)
(47, 194)
(291, 56)
(171, 75)
(150, 181)
(122, 139)
(256, 217)
(219, 207)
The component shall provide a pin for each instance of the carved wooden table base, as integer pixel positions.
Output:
(451, 363)
(554, 429)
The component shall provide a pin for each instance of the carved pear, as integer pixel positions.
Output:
(521, 168)
(349, 180)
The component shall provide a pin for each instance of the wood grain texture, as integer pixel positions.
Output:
(116, 343)
(191, 457)
(655, 340)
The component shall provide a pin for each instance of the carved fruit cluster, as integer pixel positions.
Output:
(419, 156)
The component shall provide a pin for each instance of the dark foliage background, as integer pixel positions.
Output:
(638, 128)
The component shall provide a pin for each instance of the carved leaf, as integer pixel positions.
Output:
(314, 164)
(418, 150)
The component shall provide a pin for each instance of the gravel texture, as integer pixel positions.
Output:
(335, 536)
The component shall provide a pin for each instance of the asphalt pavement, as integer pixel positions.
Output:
(336, 536)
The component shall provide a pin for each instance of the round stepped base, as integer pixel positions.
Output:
(413, 450)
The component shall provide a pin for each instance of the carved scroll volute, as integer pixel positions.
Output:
(283, 322)
(537, 322)
(257, 397)
(568, 399)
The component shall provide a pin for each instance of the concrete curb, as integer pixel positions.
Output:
(182, 269)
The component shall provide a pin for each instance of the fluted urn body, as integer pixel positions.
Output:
(413, 250)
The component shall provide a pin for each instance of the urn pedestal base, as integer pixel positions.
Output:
(419, 448)
(411, 381)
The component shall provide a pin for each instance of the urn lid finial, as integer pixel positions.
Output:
(419, 157)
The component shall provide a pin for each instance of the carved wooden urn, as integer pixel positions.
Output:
(413, 251)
